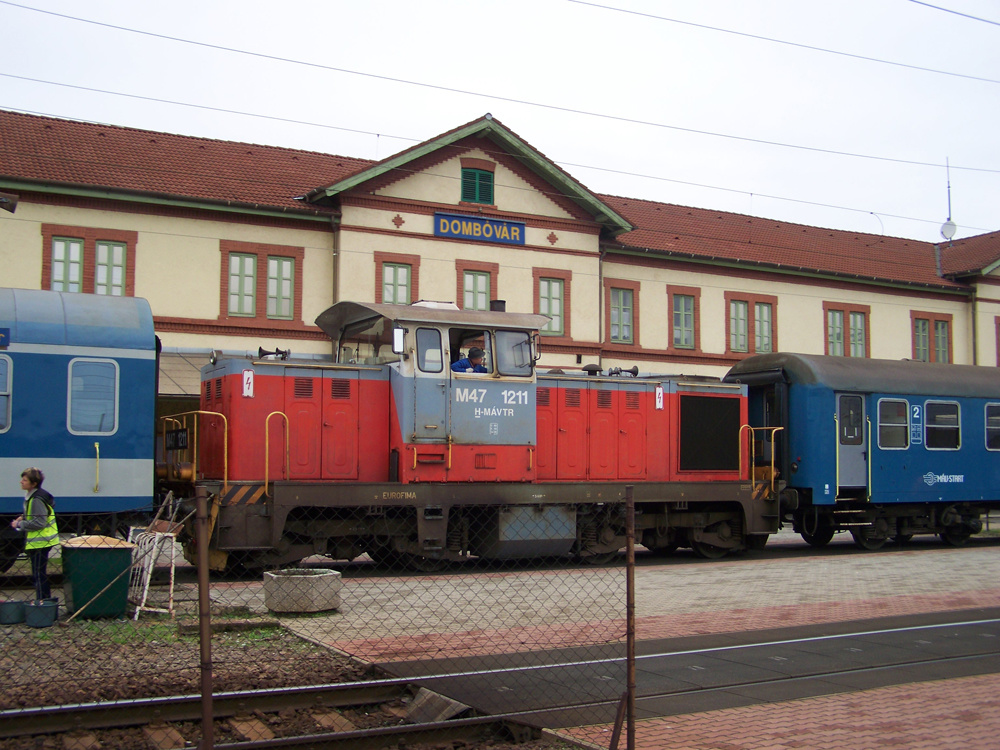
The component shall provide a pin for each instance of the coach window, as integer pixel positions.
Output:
(4, 393)
(993, 427)
(893, 424)
(429, 357)
(852, 427)
(941, 429)
(93, 397)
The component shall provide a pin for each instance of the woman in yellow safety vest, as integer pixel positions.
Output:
(39, 524)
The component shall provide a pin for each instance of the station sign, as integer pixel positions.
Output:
(478, 229)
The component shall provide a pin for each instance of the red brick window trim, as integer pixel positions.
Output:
(469, 162)
(751, 301)
(996, 323)
(632, 286)
(673, 313)
(561, 275)
(474, 266)
(261, 252)
(931, 320)
(400, 259)
(849, 342)
(89, 237)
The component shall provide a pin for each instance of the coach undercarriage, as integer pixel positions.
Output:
(872, 526)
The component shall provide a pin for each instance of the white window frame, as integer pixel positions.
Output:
(928, 426)
(878, 424)
(69, 395)
(8, 392)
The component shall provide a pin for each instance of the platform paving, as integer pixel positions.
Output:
(681, 598)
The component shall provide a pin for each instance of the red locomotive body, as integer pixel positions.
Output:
(389, 451)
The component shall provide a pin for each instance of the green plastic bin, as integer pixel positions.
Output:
(96, 576)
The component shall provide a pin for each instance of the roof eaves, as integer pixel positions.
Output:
(789, 269)
(316, 213)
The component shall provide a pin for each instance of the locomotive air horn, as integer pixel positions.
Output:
(277, 353)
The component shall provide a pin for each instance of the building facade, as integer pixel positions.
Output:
(238, 246)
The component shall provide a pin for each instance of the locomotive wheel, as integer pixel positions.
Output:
(956, 538)
(665, 551)
(863, 538)
(708, 551)
(385, 557)
(422, 564)
(601, 558)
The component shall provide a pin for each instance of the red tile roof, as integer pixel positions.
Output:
(701, 233)
(971, 255)
(49, 150)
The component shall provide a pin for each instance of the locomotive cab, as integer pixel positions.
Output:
(447, 425)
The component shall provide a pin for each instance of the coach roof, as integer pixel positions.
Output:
(870, 375)
(72, 319)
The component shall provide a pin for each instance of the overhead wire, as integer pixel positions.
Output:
(798, 45)
(479, 94)
(955, 12)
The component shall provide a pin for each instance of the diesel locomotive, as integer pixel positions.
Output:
(387, 451)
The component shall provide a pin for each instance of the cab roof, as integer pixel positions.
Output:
(334, 320)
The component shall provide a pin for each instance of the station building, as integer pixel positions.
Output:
(239, 246)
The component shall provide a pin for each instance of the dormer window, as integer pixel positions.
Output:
(477, 186)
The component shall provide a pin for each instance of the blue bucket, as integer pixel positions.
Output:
(11, 612)
(41, 614)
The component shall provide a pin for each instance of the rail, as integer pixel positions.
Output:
(267, 449)
(192, 450)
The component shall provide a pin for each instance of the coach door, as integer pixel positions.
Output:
(852, 451)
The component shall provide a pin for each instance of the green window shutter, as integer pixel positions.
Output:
(477, 186)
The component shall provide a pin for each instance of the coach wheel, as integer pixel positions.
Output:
(9, 550)
(955, 537)
(708, 551)
(902, 538)
(864, 537)
(817, 531)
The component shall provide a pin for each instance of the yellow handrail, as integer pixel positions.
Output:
(97, 467)
(267, 448)
(753, 450)
(194, 450)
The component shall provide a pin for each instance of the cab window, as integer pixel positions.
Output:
(429, 353)
(513, 353)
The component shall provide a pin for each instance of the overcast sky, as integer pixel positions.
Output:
(761, 107)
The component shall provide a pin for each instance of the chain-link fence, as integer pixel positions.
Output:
(530, 633)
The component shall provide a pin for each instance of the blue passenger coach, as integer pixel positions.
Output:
(77, 399)
(883, 449)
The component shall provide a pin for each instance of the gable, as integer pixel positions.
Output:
(483, 140)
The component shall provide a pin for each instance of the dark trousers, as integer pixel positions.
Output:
(39, 575)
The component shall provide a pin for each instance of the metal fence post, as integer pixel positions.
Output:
(630, 612)
(205, 626)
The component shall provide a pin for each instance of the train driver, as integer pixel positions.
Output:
(472, 363)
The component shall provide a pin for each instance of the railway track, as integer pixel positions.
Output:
(670, 681)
